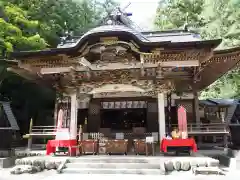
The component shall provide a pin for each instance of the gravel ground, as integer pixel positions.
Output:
(50, 175)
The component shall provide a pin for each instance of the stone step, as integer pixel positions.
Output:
(111, 171)
(141, 159)
(208, 170)
(114, 165)
(227, 161)
(112, 159)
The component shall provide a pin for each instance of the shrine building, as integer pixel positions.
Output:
(115, 78)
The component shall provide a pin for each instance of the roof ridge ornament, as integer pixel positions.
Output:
(67, 35)
(186, 25)
(119, 17)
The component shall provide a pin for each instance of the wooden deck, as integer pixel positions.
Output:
(193, 129)
(208, 129)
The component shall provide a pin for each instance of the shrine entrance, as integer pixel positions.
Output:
(117, 61)
(123, 120)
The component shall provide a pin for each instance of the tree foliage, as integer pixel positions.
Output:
(59, 16)
(36, 25)
(17, 32)
(172, 14)
(212, 19)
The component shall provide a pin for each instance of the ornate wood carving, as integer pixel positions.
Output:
(50, 62)
(151, 88)
(110, 53)
(107, 76)
(226, 57)
(174, 55)
(169, 105)
(109, 40)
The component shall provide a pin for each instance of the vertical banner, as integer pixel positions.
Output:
(182, 119)
(61, 133)
(60, 119)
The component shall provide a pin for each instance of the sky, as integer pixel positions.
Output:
(143, 11)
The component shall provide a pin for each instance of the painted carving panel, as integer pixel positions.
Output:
(124, 105)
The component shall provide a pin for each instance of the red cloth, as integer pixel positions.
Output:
(178, 143)
(52, 144)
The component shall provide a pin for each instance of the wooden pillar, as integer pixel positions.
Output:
(225, 140)
(73, 119)
(55, 112)
(168, 115)
(30, 136)
(94, 119)
(161, 116)
(152, 116)
(197, 114)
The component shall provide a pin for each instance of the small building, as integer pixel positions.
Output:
(217, 112)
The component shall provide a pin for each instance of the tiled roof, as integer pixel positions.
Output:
(154, 36)
(173, 39)
(219, 102)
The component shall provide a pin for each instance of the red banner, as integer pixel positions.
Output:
(182, 119)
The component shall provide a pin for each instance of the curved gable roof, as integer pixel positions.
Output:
(141, 39)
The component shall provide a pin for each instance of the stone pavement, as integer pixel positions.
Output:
(47, 175)
(50, 175)
(104, 164)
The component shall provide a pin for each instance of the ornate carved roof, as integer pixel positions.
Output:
(219, 64)
(149, 57)
(145, 40)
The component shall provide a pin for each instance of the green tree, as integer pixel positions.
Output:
(59, 16)
(17, 32)
(173, 14)
(35, 25)
(212, 19)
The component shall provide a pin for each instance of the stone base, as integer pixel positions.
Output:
(7, 162)
(45, 162)
(104, 164)
(147, 165)
(20, 169)
(207, 171)
(7, 153)
(26, 153)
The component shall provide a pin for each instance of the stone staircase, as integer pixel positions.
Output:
(230, 159)
(114, 165)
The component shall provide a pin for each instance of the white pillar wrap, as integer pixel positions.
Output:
(161, 116)
(73, 122)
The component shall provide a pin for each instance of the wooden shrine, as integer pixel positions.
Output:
(114, 66)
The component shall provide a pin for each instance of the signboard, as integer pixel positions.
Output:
(85, 136)
(124, 105)
(119, 136)
(62, 134)
(155, 136)
(149, 139)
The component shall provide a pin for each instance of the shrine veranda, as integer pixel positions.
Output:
(116, 69)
